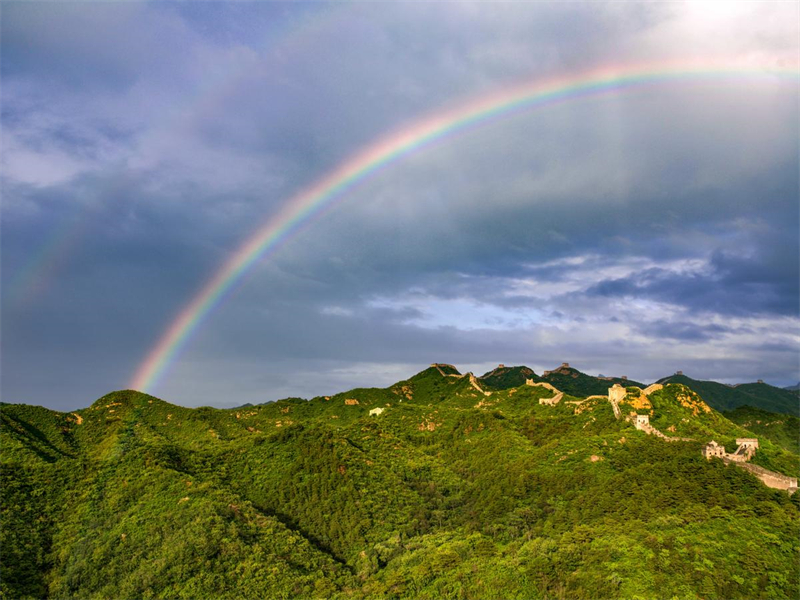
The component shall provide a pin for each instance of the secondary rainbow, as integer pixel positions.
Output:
(312, 201)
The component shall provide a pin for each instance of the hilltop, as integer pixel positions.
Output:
(573, 381)
(441, 485)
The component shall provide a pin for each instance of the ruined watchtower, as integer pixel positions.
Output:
(616, 393)
(713, 450)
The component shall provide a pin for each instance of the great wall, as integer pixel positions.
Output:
(746, 450)
(746, 446)
(558, 395)
(473, 381)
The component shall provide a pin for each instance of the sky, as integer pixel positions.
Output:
(636, 232)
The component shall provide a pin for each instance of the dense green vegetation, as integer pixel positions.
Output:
(504, 377)
(783, 430)
(448, 492)
(727, 397)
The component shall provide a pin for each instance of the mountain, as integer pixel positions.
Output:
(726, 397)
(436, 486)
(503, 377)
(570, 380)
(793, 388)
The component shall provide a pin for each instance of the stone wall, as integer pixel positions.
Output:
(770, 478)
(616, 393)
(652, 388)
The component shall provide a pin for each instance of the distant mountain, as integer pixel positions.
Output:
(441, 485)
(727, 397)
(793, 388)
(571, 381)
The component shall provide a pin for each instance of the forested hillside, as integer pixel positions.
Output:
(781, 429)
(437, 486)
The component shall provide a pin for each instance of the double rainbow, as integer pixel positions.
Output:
(307, 204)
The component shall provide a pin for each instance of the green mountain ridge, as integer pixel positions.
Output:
(572, 381)
(441, 485)
(718, 395)
(728, 397)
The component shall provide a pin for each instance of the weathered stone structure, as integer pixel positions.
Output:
(747, 448)
(713, 450)
(654, 387)
(771, 479)
(473, 381)
(558, 394)
(552, 401)
(616, 393)
(438, 367)
(563, 366)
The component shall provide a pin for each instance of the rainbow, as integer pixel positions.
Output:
(309, 203)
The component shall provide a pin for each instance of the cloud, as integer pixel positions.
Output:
(626, 233)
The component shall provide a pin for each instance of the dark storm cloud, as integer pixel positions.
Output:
(683, 330)
(156, 138)
(733, 285)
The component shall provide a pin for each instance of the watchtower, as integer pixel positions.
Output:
(616, 393)
(712, 449)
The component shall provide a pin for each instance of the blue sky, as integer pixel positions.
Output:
(634, 233)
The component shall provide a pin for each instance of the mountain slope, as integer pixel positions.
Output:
(434, 487)
(781, 429)
(725, 397)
